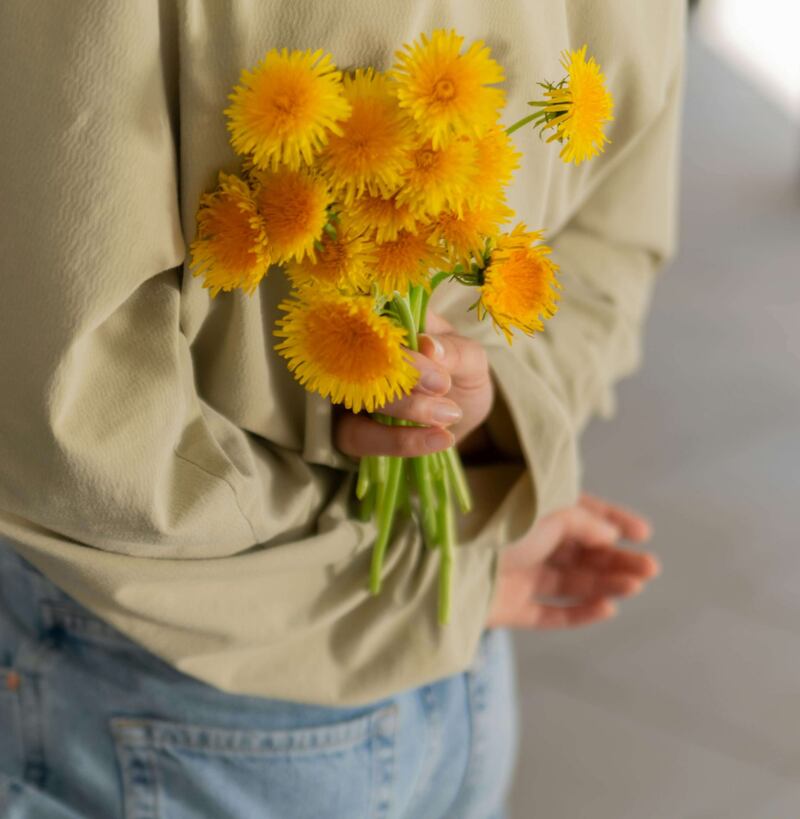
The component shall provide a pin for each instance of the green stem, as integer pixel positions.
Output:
(387, 503)
(454, 467)
(415, 300)
(437, 466)
(410, 311)
(427, 498)
(524, 121)
(381, 469)
(378, 474)
(403, 499)
(446, 546)
(436, 280)
(367, 506)
(364, 481)
(407, 319)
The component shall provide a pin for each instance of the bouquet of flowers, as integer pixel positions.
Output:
(369, 189)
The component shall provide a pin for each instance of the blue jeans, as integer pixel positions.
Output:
(92, 726)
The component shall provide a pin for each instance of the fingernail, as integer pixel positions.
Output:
(438, 348)
(446, 413)
(435, 381)
(438, 439)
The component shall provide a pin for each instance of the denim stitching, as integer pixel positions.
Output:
(384, 735)
(163, 734)
(34, 762)
(139, 794)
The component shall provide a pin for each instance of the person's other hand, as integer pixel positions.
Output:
(452, 398)
(572, 554)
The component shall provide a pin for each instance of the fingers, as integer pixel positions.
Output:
(463, 358)
(424, 409)
(631, 524)
(584, 584)
(582, 565)
(573, 555)
(558, 537)
(554, 617)
(589, 529)
(641, 564)
(426, 404)
(359, 435)
(434, 377)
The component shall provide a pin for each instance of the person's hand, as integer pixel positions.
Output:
(572, 554)
(453, 397)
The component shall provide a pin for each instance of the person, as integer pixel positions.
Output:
(185, 626)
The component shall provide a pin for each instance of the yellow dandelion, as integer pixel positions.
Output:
(519, 284)
(406, 261)
(293, 205)
(372, 151)
(448, 92)
(495, 162)
(284, 110)
(338, 346)
(465, 236)
(576, 108)
(379, 217)
(230, 250)
(439, 179)
(345, 262)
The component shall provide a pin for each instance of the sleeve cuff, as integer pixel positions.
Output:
(540, 472)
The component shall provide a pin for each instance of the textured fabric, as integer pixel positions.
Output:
(96, 727)
(159, 462)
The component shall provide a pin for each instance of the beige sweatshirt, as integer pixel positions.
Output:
(159, 462)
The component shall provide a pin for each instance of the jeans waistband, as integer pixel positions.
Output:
(33, 606)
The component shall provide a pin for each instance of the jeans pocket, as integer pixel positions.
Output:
(187, 771)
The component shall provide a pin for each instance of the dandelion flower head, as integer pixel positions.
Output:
(407, 261)
(284, 110)
(520, 283)
(465, 236)
(446, 91)
(343, 260)
(338, 346)
(578, 109)
(371, 151)
(230, 250)
(439, 178)
(379, 217)
(294, 206)
(495, 162)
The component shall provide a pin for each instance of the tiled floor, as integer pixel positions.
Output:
(688, 704)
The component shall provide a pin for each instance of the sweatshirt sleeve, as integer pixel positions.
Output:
(610, 250)
(219, 548)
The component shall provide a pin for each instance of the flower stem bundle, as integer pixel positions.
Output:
(370, 189)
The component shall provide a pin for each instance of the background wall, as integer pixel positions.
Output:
(688, 703)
